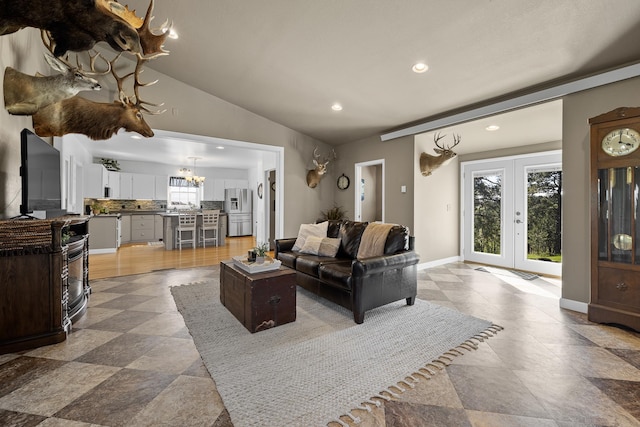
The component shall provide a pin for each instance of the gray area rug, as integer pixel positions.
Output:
(323, 365)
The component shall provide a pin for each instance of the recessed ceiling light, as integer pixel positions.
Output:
(492, 128)
(173, 34)
(220, 147)
(336, 107)
(136, 137)
(420, 67)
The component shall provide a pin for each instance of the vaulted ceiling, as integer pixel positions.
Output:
(290, 60)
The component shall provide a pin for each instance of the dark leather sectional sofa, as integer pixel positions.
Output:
(357, 284)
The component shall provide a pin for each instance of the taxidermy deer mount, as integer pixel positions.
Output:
(315, 175)
(25, 94)
(95, 119)
(429, 163)
(51, 102)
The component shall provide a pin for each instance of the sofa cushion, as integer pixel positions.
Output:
(306, 230)
(336, 274)
(397, 240)
(350, 235)
(322, 246)
(333, 229)
(309, 264)
(288, 259)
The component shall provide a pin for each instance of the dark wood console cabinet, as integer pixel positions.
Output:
(44, 283)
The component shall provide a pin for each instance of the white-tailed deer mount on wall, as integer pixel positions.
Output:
(25, 94)
(429, 163)
(94, 119)
(315, 175)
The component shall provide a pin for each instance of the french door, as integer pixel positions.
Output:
(511, 214)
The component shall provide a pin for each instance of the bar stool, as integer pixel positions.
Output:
(209, 223)
(186, 224)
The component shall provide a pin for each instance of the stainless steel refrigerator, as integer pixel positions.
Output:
(238, 206)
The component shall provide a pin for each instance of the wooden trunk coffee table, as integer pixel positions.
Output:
(260, 300)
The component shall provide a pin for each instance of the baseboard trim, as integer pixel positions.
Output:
(580, 307)
(438, 262)
(102, 251)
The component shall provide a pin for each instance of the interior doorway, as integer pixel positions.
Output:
(512, 212)
(270, 207)
(369, 191)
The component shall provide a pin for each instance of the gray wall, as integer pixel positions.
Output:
(14, 52)
(398, 155)
(577, 109)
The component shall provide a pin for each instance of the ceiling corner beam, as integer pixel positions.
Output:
(533, 98)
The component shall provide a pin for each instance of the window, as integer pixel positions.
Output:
(184, 194)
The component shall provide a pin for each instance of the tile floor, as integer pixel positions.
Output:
(130, 361)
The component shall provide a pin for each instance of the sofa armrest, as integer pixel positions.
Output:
(284, 245)
(379, 264)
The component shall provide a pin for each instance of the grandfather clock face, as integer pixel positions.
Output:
(621, 142)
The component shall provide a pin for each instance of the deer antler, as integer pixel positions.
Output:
(153, 43)
(120, 11)
(437, 138)
(50, 46)
(456, 140)
(137, 84)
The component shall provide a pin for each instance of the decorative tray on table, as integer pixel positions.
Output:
(269, 264)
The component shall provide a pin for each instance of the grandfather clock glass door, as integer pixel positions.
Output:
(618, 192)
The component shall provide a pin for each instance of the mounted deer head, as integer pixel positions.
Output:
(25, 94)
(429, 163)
(315, 175)
(75, 25)
(98, 120)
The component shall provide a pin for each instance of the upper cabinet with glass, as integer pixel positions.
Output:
(615, 230)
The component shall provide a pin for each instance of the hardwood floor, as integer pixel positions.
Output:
(142, 258)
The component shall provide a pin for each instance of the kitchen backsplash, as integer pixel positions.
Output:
(114, 205)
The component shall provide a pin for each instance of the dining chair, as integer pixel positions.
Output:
(186, 224)
(210, 220)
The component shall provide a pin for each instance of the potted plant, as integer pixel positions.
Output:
(336, 212)
(261, 251)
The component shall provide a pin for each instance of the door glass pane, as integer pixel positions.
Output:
(620, 208)
(544, 220)
(603, 214)
(487, 211)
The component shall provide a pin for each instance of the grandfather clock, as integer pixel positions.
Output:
(615, 218)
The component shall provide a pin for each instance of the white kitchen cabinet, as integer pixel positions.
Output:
(235, 183)
(126, 185)
(214, 190)
(113, 182)
(95, 179)
(162, 185)
(144, 186)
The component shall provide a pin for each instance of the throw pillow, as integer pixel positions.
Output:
(306, 230)
(322, 246)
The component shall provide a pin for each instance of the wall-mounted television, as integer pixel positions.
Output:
(40, 172)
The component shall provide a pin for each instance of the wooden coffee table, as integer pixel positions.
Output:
(261, 300)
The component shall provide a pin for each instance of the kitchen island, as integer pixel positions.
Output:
(170, 222)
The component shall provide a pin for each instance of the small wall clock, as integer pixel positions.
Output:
(343, 182)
